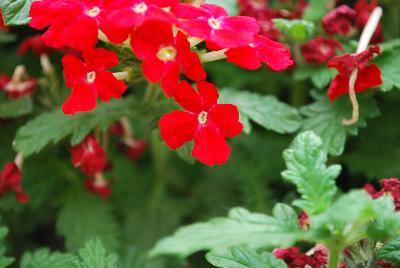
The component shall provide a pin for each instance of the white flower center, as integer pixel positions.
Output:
(215, 23)
(93, 12)
(202, 117)
(90, 77)
(140, 8)
(167, 53)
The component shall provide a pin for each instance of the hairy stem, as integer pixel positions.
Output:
(214, 55)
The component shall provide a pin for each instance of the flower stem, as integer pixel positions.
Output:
(213, 56)
(334, 257)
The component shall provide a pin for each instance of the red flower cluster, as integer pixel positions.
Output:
(10, 180)
(294, 258)
(369, 75)
(389, 186)
(320, 49)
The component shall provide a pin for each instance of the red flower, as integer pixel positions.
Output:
(304, 220)
(90, 80)
(204, 121)
(99, 188)
(89, 156)
(294, 258)
(164, 55)
(10, 180)
(261, 50)
(390, 186)
(139, 11)
(368, 75)
(363, 12)
(339, 20)
(19, 87)
(319, 50)
(75, 23)
(133, 149)
(212, 23)
(2, 25)
(35, 44)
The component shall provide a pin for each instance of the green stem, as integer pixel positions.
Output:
(334, 256)
(160, 157)
(394, 14)
(299, 90)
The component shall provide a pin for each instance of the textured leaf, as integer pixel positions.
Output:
(266, 111)
(43, 258)
(243, 257)
(389, 63)
(15, 108)
(54, 126)
(94, 255)
(320, 76)
(391, 251)
(16, 12)
(325, 119)
(240, 228)
(306, 168)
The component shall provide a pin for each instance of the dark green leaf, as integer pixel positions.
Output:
(389, 63)
(16, 12)
(14, 108)
(43, 258)
(94, 255)
(390, 252)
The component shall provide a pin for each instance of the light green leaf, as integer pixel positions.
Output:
(306, 168)
(390, 252)
(10, 108)
(243, 257)
(43, 258)
(316, 9)
(389, 63)
(54, 126)
(266, 111)
(387, 222)
(325, 119)
(296, 30)
(16, 12)
(241, 227)
(94, 255)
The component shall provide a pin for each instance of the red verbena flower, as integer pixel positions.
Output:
(2, 24)
(389, 186)
(262, 50)
(164, 55)
(75, 23)
(35, 44)
(10, 180)
(90, 79)
(89, 156)
(139, 11)
(294, 258)
(363, 12)
(339, 21)
(16, 88)
(369, 75)
(99, 188)
(320, 49)
(304, 220)
(133, 149)
(212, 23)
(204, 121)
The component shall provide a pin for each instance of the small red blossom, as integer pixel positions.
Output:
(89, 156)
(212, 23)
(16, 88)
(261, 50)
(99, 188)
(339, 21)
(75, 23)
(320, 49)
(204, 121)
(294, 258)
(164, 55)
(369, 75)
(116, 129)
(320, 256)
(10, 180)
(139, 11)
(90, 79)
(133, 149)
(35, 44)
(304, 220)
(389, 186)
(2, 24)
(363, 12)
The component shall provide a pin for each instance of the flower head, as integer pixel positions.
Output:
(99, 188)
(339, 21)
(212, 23)
(90, 79)
(19, 85)
(294, 258)
(35, 44)
(204, 121)
(10, 180)
(389, 186)
(164, 55)
(369, 75)
(320, 49)
(133, 149)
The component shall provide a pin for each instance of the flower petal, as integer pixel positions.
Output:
(368, 77)
(108, 86)
(100, 58)
(226, 118)
(74, 69)
(338, 87)
(208, 93)
(82, 99)
(245, 57)
(153, 69)
(177, 128)
(187, 97)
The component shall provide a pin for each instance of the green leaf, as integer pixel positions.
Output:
(16, 12)
(241, 227)
(230, 5)
(14, 108)
(7, 37)
(4, 261)
(390, 252)
(84, 217)
(320, 76)
(387, 222)
(94, 255)
(185, 153)
(389, 63)
(243, 257)
(306, 168)
(296, 30)
(266, 111)
(325, 119)
(54, 126)
(316, 9)
(43, 258)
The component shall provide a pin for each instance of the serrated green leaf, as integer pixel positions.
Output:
(324, 118)
(94, 255)
(266, 111)
(389, 63)
(43, 258)
(320, 76)
(296, 30)
(243, 257)
(16, 12)
(390, 252)
(15, 108)
(316, 9)
(241, 227)
(230, 5)
(306, 168)
(54, 126)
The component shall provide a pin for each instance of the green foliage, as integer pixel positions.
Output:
(266, 111)
(4, 261)
(54, 126)
(306, 168)
(389, 63)
(241, 227)
(325, 119)
(243, 257)
(44, 258)
(315, 10)
(320, 76)
(295, 30)
(390, 252)
(94, 255)
(16, 12)
(15, 108)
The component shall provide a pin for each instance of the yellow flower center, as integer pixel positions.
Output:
(93, 12)
(167, 53)
(90, 77)
(214, 23)
(202, 117)
(140, 8)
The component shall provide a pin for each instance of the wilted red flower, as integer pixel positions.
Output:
(133, 149)
(164, 55)
(35, 44)
(75, 23)
(320, 49)
(369, 75)
(293, 257)
(18, 87)
(10, 180)
(139, 11)
(320, 256)
(261, 50)
(363, 12)
(2, 25)
(204, 121)
(389, 186)
(90, 79)
(101, 188)
(89, 156)
(339, 21)
(212, 23)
